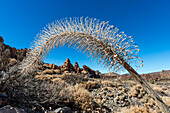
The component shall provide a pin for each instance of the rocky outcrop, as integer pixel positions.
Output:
(9, 55)
(67, 66)
(1, 39)
(50, 66)
(77, 68)
(86, 69)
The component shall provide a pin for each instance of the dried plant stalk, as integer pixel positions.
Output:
(97, 39)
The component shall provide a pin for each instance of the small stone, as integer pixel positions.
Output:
(110, 94)
(118, 84)
(120, 97)
(105, 88)
(98, 97)
(119, 88)
(164, 88)
(124, 90)
(103, 100)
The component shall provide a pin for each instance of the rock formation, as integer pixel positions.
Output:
(1, 39)
(88, 70)
(67, 66)
(50, 66)
(9, 55)
(77, 68)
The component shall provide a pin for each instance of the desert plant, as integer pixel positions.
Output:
(98, 40)
(89, 85)
(81, 97)
(74, 79)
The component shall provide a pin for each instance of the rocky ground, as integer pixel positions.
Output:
(68, 88)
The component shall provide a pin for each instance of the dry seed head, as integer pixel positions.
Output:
(95, 38)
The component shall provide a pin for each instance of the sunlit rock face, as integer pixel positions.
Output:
(10, 55)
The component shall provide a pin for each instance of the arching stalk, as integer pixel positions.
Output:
(117, 50)
(147, 87)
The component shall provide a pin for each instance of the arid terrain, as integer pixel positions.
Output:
(69, 88)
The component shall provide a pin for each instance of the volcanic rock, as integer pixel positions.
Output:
(90, 71)
(1, 39)
(77, 68)
(67, 66)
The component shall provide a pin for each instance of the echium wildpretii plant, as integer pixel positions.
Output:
(97, 39)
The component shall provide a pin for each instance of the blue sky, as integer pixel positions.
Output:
(147, 21)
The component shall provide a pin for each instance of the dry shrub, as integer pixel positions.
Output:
(108, 83)
(46, 77)
(74, 79)
(158, 89)
(137, 91)
(135, 109)
(166, 100)
(61, 76)
(50, 77)
(57, 80)
(89, 85)
(81, 97)
(140, 110)
(161, 91)
(48, 71)
(31, 91)
(58, 71)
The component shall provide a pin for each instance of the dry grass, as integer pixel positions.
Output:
(47, 77)
(81, 97)
(135, 109)
(89, 85)
(108, 83)
(158, 89)
(48, 71)
(137, 91)
(166, 100)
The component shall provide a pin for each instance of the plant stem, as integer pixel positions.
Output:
(140, 80)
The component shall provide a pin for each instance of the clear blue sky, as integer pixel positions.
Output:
(147, 21)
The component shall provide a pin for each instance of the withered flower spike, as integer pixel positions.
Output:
(88, 34)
